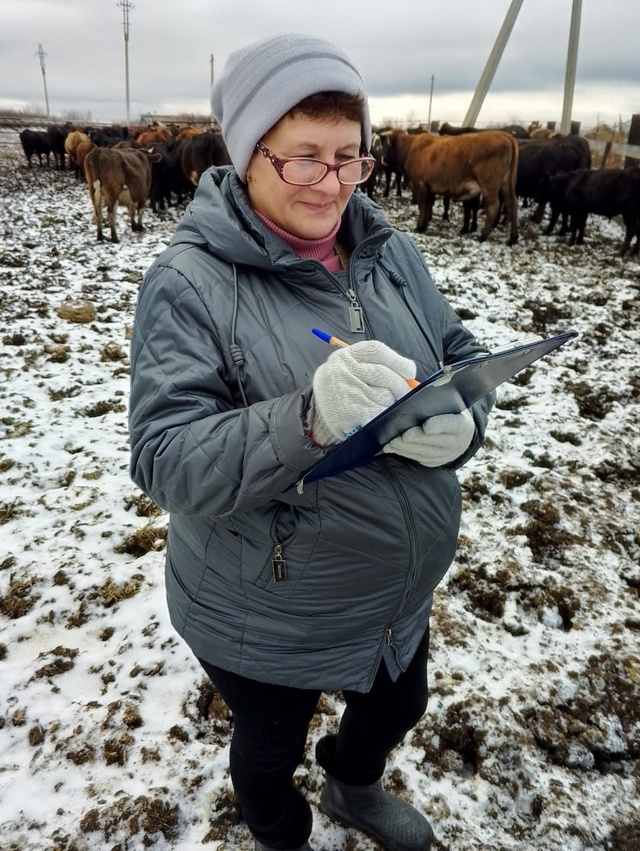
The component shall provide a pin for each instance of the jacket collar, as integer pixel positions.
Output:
(221, 217)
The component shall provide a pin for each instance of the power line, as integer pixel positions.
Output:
(126, 7)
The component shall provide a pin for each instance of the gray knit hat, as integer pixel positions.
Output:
(262, 82)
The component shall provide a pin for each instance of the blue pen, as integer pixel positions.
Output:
(333, 341)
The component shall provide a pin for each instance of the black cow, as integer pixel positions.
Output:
(376, 152)
(606, 192)
(35, 142)
(57, 134)
(548, 156)
(390, 165)
(197, 153)
(516, 130)
(109, 136)
(166, 178)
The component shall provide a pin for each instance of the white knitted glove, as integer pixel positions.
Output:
(439, 440)
(354, 385)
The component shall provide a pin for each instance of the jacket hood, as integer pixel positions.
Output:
(221, 217)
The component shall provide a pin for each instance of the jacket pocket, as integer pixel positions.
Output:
(274, 551)
(284, 530)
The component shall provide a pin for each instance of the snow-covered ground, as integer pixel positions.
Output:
(110, 736)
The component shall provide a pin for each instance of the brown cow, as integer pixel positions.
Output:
(461, 167)
(188, 132)
(80, 153)
(537, 131)
(119, 177)
(154, 136)
(73, 139)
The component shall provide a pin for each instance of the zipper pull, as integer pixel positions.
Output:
(389, 638)
(279, 565)
(355, 313)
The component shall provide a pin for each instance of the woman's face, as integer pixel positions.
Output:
(306, 211)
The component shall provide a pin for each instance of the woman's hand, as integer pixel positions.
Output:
(438, 441)
(354, 385)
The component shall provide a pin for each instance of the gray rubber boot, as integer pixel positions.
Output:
(261, 847)
(392, 822)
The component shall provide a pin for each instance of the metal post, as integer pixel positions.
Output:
(42, 54)
(126, 6)
(212, 120)
(572, 61)
(430, 99)
(492, 63)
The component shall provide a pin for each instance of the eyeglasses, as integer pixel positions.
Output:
(304, 171)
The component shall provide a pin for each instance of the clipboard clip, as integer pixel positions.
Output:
(445, 378)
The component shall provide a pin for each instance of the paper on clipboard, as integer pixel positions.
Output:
(449, 390)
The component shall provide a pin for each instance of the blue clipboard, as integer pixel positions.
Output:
(448, 391)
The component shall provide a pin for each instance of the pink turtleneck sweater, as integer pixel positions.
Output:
(323, 250)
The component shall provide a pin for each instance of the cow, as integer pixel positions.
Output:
(73, 139)
(81, 152)
(166, 178)
(126, 143)
(390, 165)
(548, 156)
(155, 135)
(187, 132)
(605, 192)
(376, 151)
(516, 130)
(536, 131)
(461, 167)
(57, 134)
(35, 142)
(109, 136)
(197, 153)
(118, 177)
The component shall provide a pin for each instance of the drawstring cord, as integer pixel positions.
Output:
(418, 318)
(234, 348)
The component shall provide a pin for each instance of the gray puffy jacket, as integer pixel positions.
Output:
(313, 589)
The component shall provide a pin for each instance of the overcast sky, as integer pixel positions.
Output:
(398, 46)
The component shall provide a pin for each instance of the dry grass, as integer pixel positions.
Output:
(606, 133)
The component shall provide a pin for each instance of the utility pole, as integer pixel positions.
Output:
(212, 121)
(492, 63)
(430, 100)
(572, 61)
(126, 6)
(42, 54)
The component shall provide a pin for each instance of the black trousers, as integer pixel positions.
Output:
(270, 726)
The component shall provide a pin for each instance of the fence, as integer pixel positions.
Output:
(621, 149)
(11, 124)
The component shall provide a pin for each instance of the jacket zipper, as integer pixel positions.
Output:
(408, 516)
(357, 321)
(275, 568)
(405, 506)
(278, 564)
(356, 318)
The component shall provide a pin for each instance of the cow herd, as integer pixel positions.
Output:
(497, 169)
(130, 166)
(492, 170)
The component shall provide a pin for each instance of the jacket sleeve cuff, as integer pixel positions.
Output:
(290, 428)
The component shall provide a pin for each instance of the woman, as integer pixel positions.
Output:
(281, 594)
